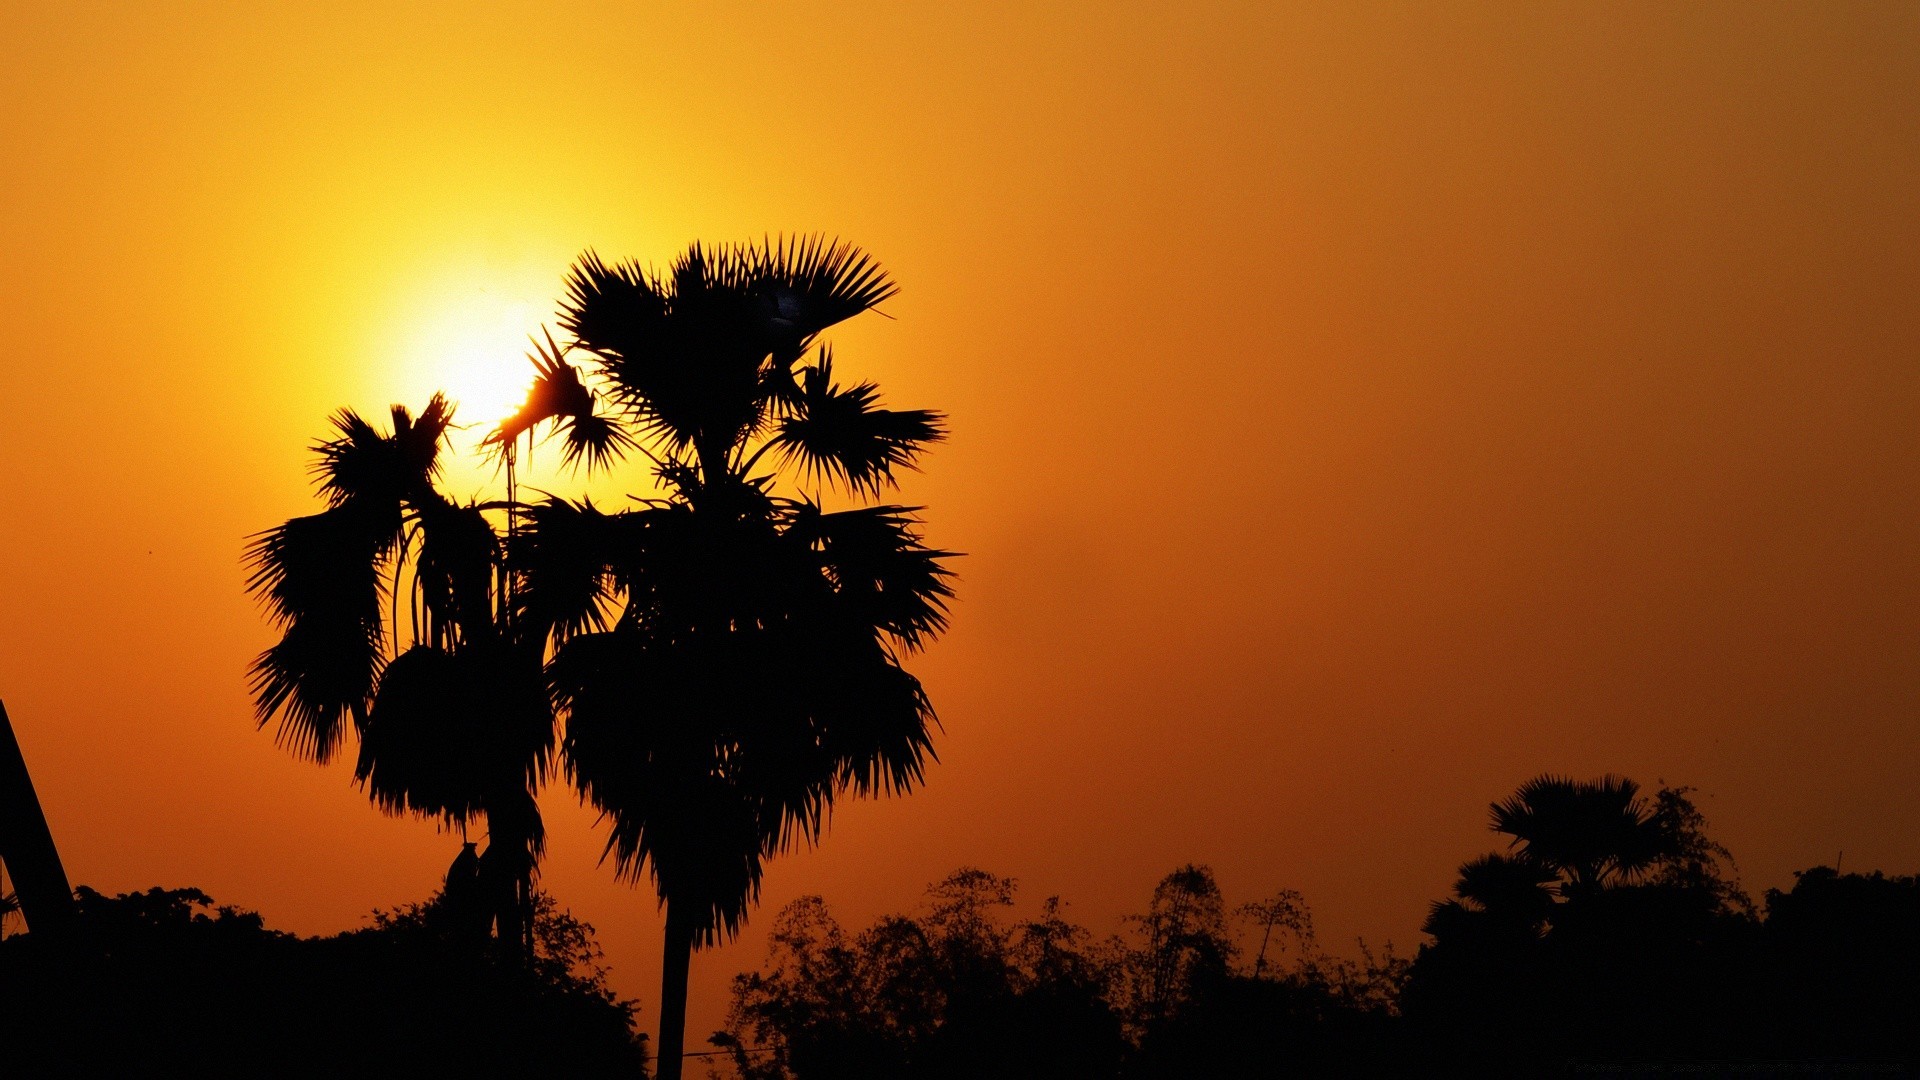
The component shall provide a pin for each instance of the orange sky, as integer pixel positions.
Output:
(1357, 409)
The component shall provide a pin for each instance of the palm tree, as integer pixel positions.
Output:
(456, 726)
(1594, 832)
(727, 655)
(1497, 898)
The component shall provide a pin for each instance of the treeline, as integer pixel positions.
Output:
(166, 983)
(1609, 932)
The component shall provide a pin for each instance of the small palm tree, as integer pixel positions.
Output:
(1594, 832)
(1497, 897)
(728, 655)
(457, 725)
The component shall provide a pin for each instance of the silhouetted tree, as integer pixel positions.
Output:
(1592, 832)
(1612, 927)
(1285, 911)
(960, 989)
(456, 724)
(1839, 956)
(1690, 861)
(955, 991)
(166, 983)
(1184, 947)
(727, 657)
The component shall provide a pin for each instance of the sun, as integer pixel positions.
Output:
(476, 353)
(468, 334)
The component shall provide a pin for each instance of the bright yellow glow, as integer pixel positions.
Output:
(472, 344)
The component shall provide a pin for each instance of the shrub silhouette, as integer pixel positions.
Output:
(163, 982)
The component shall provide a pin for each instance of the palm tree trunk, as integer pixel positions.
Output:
(508, 869)
(673, 992)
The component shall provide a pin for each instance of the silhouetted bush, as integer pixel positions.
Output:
(1614, 931)
(1611, 934)
(165, 983)
(954, 992)
(960, 990)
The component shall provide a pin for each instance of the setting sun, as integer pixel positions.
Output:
(473, 345)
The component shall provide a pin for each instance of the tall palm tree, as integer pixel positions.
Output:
(728, 655)
(458, 724)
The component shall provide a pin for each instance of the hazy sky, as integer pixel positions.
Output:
(1356, 410)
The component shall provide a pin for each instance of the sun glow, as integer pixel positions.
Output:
(475, 351)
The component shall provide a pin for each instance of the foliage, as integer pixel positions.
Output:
(962, 988)
(165, 982)
(727, 657)
(455, 724)
(953, 991)
(753, 670)
(1618, 930)
(1285, 911)
(1589, 832)
(1692, 861)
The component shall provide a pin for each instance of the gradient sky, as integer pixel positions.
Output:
(1357, 409)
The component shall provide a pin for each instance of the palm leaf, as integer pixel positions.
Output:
(815, 282)
(455, 734)
(611, 309)
(882, 574)
(1591, 830)
(361, 464)
(843, 434)
(458, 554)
(561, 558)
(319, 578)
(877, 720)
(560, 395)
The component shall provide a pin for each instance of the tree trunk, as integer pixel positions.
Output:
(506, 871)
(673, 993)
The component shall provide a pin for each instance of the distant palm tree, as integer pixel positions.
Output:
(458, 724)
(727, 656)
(1499, 897)
(1594, 832)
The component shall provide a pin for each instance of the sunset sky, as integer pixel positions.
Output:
(1357, 409)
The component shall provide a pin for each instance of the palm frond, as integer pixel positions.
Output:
(459, 552)
(611, 309)
(843, 434)
(557, 391)
(560, 395)
(881, 572)
(561, 556)
(361, 464)
(319, 579)
(815, 282)
(682, 355)
(878, 723)
(1591, 830)
(1517, 889)
(454, 734)
(594, 441)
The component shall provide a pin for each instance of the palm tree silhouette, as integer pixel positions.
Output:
(1497, 897)
(458, 725)
(728, 658)
(1594, 832)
